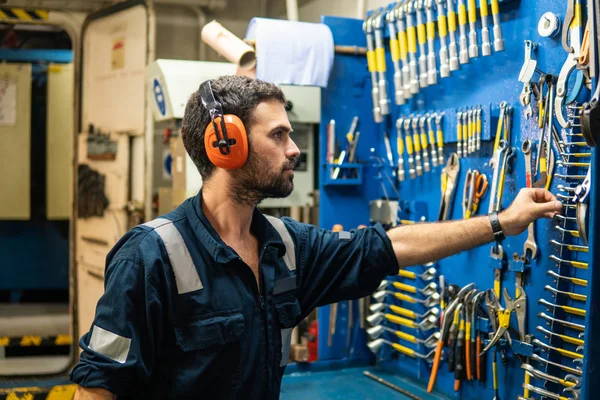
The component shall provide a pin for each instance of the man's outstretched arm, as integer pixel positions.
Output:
(426, 242)
(83, 393)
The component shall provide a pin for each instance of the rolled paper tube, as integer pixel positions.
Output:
(228, 45)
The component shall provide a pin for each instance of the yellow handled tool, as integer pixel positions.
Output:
(459, 134)
(498, 41)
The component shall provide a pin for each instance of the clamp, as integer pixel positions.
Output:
(516, 305)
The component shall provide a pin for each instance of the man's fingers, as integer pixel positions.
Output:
(550, 214)
(540, 195)
(549, 207)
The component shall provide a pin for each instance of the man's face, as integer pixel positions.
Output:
(271, 158)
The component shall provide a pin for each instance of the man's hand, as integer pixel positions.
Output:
(529, 205)
(83, 393)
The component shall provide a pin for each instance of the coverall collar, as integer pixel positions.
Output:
(218, 249)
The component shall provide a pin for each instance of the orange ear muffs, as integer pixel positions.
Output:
(225, 137)
(238, 142)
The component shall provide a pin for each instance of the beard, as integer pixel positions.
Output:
(258, 179)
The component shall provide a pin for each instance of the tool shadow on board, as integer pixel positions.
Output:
(474, 108)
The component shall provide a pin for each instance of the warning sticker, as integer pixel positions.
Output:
(118, 53)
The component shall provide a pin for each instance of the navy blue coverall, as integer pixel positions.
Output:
(182, 315)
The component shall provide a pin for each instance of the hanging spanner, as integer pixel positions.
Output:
(424, 145)
(434, 155)
(395, 51)
(403, 45)
(478, 142)
(401, 171)
(384, 101)
(498, 40)
(530, 245)
(411, 33)
(431, 63)
(443, 30)
(459, 133)
(452, 32)
(372, 64)
(462, 26)
(473, 47)
(440, 137)
(485, 31)
(409, 149)
(417, 145)
(422, 40)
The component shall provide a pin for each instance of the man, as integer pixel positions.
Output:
(199, 304)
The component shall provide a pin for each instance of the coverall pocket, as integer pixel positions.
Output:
(288, 311)
(211, 331)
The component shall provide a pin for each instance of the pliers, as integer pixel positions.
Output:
(449, 176)
(518, 305)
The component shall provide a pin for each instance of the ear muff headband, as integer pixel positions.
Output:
(225, 137)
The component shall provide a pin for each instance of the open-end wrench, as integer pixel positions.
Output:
(485, 31)
(568, 324)
(473, 46)
(429, 302)
(564, 352)
(459, 133)
(426, 291)
(409, 149)
(443, 30)
(575, 281)
(452, 32)
(503, 108)
(560, 366)
(498, 40)
(403, 45)
(429, 274)
(411, 33)
(571, 295)
(547, 377)
(376, 332)
(376, 344)
(570, 247)
(463, 54)
(431, 63)
(384, 101)
(379, 307)
(434, 155)
(530, 244)
(422, 40)
(395, 51)
(440, 137)
(424, 145)
(425, 325)
(417, 145)
(372, 64)
(570, 310)
(568, 339)
(576, 264)
(401, 171)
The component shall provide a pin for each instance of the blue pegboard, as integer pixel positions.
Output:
(484, 82)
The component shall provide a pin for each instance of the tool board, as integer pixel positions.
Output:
(485, 82)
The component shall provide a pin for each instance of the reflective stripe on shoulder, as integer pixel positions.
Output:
(109, 344)
(290, 249)
(186, 275)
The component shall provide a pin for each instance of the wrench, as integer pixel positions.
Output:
(462, 26)
(530, 244)
(409, 149)
(440, 137)
(498, 41)
(403, 45)
(422, 40)
(384, 102)
(473, 47)
(424, 145)
(478, 142)
(452, 32)
(443, 30)
(401, 171)
(372, 64)
(459, 134)
(411, 33)
(417, 145)
(485, 32)
(434, 156)
(395, 50)
(431, 64)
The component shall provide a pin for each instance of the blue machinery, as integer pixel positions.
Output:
(484, 83)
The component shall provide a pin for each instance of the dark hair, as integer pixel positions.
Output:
(239, 95)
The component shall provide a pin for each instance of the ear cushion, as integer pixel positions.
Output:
(238, 143)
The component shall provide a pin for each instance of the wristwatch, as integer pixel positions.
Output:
(496, 228)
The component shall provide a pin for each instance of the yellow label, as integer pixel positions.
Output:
(395, 50)
(404, 273)
(478, 125)
(472, 11)
(431, 137)
(459, 132)
(403, 45)
(403, 311)
(400, 321)
(468, 331)
(412, 39)
(576, 23)
(440, 138)
(371, 61)
(495, 374)
(495, 7)
(462, 14)
(406, 288)
(543, 165)
(421, 34)
(409, 145)
(497, 287)
(442, 26)
(579, 282)
(431, 30)
(416, 142)
(527, 381)
(380, 55)
(579, 264)
(452, 21)
(484, 8)
(575, 311)
(423, 140)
